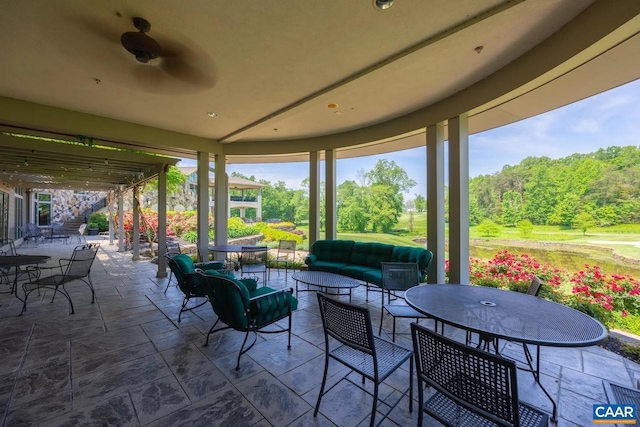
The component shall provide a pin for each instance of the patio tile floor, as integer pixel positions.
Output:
(125, 360)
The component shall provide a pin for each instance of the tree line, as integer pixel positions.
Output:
(372, 203)
(600, 188)
(581, 190)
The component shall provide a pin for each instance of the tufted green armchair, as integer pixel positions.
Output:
(242, 306)
(184, 269)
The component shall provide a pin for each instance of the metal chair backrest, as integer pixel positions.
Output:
(8, 247)
(481, 382)
(399, 276)
(254, 258)
(534, 287)
(287, 249)
(173, 247)
(347, 323)
(81, 260)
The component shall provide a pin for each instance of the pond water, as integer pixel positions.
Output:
(566, 259)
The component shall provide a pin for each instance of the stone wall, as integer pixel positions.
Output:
(67, 204)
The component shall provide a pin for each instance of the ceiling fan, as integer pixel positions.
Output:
(171, 66)
(139, 43)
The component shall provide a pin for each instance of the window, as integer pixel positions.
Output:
(43, 208)
(4, 214)
(19, 212)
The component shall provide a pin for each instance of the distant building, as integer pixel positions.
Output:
(241, 202)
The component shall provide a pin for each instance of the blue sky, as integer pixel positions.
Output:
(606, 119)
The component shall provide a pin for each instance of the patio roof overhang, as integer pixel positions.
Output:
(286, 78)
(47, 164)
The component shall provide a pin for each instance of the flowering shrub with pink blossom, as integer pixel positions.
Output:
(613, 299)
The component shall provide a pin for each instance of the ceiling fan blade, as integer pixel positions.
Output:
(185, 64)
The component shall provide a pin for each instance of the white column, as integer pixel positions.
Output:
(459, 199)
(136, 224)
(435, 201)
(314, 197)
(121, 219)
(162, 222)
(259, 211)
(221, 213)
(330, 194)
(203, 206)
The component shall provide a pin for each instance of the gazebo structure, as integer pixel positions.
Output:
(241, 202)
(313, 81)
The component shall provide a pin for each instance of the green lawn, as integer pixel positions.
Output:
(610, 237)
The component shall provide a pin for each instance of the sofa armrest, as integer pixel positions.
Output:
(310, 259)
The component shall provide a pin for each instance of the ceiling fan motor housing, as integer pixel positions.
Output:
(138, 43)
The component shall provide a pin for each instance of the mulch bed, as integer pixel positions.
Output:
(615, 345)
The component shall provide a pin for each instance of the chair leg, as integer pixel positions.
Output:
(169, 282)
(244, 350)
(289, 343)
(324, 382)
(184, 304)
(375, 403)
(393, 336)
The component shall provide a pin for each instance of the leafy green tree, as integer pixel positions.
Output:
(525, 227)
(607, 216)
(384, 208)
(584, 221)
(511, 208)
(386, 183)
(566, 210)
(277, 201)
(175, 181)
(352, 207)
(488, 228)
(420, 203)
(388, 173)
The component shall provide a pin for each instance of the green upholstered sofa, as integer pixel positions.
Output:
(361, 261)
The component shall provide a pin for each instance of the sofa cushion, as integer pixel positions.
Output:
(332, 250)
(370, 254)
(328, 266)
(355, 271)
(373, 276)
(420, 256)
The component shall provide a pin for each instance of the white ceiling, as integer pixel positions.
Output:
(270, 68)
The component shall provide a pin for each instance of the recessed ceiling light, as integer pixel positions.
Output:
(212, 114)
(332, 105)
(383, 4)
(338, 113)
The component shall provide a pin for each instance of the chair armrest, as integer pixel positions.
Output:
(269, 307)
(36, 270)
(210, 265)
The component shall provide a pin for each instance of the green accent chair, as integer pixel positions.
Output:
(242, 306)
(189, 282)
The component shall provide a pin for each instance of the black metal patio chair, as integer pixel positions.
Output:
(358, 349)
(398, 277)
(77, 267)
(472, 387)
